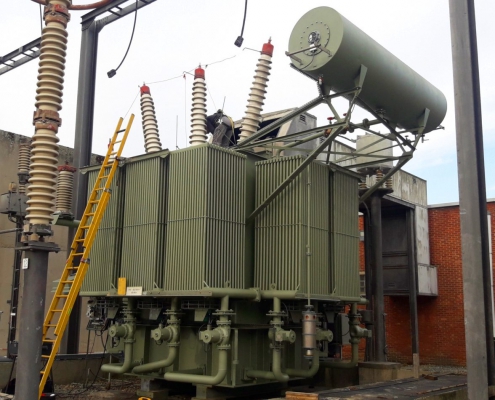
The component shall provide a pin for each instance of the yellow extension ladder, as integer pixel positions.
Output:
(68, 289)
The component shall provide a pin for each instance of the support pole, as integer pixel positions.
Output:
(413, 290)
(83, 141)
(472, 201)
(14, 293)
(368, 276)
(31, 325)
(378, 301)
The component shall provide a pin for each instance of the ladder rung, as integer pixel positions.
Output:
(51, 325)
(43, 356)
(118, 141)
(56, 310)
(63, 296)
(72, 267)
(67, 282)
(94, 201)
(77, 254)
(122, 130)
(48, 340)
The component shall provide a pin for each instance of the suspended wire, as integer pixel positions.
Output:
(185, 107)
(132, 36)
(133, 101)
(244, 19)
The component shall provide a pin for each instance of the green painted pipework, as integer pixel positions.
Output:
(68, 222)
(354, 345)
(126, 332)
(309, 373)
(172, 332)
(223, 346)
(276, 372)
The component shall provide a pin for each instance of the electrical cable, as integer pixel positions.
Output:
(240, 39)
(133, 101)
(70, 394)
(113, 72)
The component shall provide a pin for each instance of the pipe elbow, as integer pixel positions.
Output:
(299, 373)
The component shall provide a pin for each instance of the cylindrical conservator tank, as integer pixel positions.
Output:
(390, 85)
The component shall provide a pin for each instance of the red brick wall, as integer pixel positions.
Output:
(440, 319)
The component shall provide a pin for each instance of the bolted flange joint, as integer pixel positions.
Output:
(323, 335)
(57, 13)
(220, 335)
(125, 331)
(280, 335)
(47, 118)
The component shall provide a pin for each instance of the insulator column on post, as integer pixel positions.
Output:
(65, 186)
(150, 126)
(23, 165)
(252, 118)
(44, 149)
(198, 110)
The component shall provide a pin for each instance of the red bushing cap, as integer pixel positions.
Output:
(67, 167)
(267, 48)
(145, 89)
(199, 73)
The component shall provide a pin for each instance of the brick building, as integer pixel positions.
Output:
(440, 317)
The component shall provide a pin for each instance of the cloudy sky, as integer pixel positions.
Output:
(175, 36)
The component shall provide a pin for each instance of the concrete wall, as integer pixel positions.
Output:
(9, 153)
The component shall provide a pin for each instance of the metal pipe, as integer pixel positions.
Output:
(126, 332)
(223, 346)
(124, 367)
(173, 340)
(31, 317)
(356, 333)
(68, 222)
(276, 372)
(352, 363)
(378, 301)
(308, 373)
(472, 201)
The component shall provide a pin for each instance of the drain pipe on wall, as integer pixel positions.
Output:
(125, 331)
(221, 336)
(169, 334)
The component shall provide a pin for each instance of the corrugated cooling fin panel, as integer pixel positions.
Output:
(105, 254)
(281, 229)
(143, 232)
(344, 234)
(205, 219)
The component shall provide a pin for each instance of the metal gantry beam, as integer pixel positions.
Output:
(20, 56)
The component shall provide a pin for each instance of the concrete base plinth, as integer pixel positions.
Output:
(372, 372)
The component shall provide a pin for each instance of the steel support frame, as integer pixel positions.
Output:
(413, 286)
(29, 51)
(472, 201)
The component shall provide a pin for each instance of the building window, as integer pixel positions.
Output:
(302, 118)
